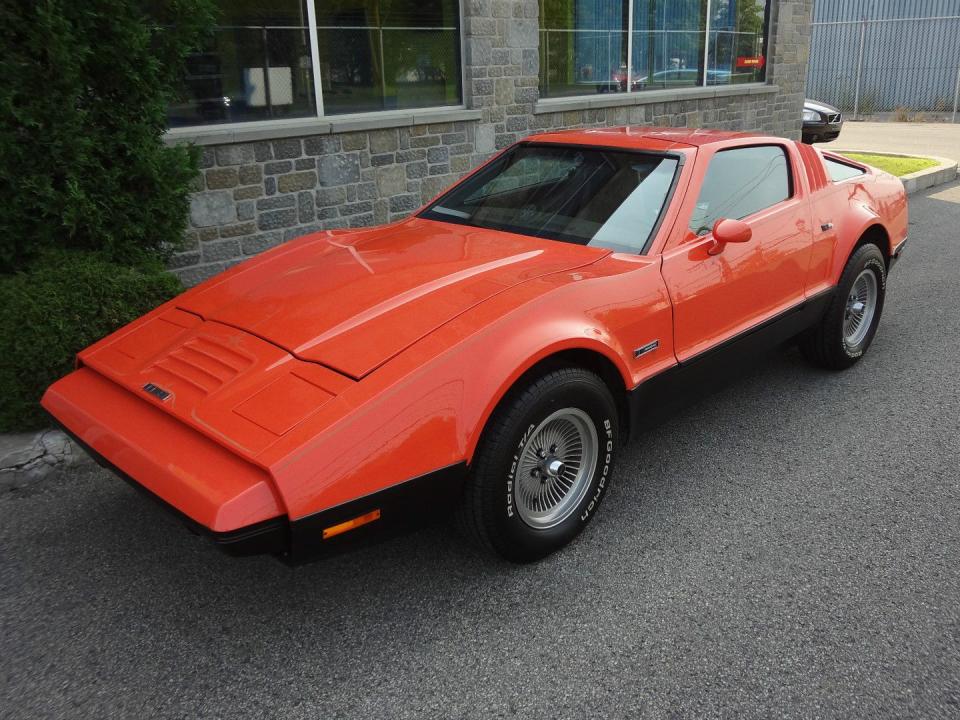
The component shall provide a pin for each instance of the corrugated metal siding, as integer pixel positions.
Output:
(911, 54)
(847, 10)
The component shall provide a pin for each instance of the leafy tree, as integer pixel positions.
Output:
(82, 113)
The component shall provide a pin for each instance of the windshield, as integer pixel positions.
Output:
(589, 196)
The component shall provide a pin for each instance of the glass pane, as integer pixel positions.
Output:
(380, 55)
(604, 198)
(737, 50)
(257, 66)
(739, 183)
(583, 47)
(841, 171)
(668, 37)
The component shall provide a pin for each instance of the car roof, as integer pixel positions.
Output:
(642, 137)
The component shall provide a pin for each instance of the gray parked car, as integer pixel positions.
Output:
(821, 122)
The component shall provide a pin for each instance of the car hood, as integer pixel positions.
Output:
(351, 300)
(819, 107)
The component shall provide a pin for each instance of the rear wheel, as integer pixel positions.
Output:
(542, 466)
(842, 337)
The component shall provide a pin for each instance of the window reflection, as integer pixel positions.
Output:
(584, 44)
(668, 37)
(256, 66)
(373, 55)
(736, 39)
(583, 47)
(388, 54)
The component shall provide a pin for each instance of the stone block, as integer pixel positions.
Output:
(277, 167)
(404, 203)
(246, 210)
(305, 208)
(247, 193)
(230, 231)
(485, 138)
(322, 145)
(277, 219)
(277, 202)
(391, 180)
(522, 33)
(341, 169)
(235, 154)
(219, 250)
(383, 141)
(330, 196)
(297, 181)
(259, 243)
(354, 141)
(212, 208)
(221, 178)
(250, 174)
(287, 148)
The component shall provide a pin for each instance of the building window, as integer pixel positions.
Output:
(275, 59)
(383, 55)
(601, 46)
(737, 42)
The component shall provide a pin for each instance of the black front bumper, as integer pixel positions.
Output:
(401, 507)
(270, 536)
(821, 132)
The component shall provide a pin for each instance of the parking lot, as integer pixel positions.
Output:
(789, 546)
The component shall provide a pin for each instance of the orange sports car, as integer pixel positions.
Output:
(489, 355)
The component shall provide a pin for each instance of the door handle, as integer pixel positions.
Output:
(826, 226)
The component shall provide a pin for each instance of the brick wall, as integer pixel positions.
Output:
(256, 195)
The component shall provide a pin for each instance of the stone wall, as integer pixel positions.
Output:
(255, 195)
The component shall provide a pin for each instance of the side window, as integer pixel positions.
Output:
(740, 182)
(841, 171)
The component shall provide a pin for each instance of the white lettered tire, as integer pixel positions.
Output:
(542, 467)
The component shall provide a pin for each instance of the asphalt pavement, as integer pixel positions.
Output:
(788, 547)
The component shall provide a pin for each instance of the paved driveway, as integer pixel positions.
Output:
(940, 139)
(789, 547)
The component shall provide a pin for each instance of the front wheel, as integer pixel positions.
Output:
(842, 337)
(542, 466)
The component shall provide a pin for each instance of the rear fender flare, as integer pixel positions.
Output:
(865, 221)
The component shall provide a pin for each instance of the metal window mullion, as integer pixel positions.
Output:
(630, 46)
(706, 45)
(315, 56)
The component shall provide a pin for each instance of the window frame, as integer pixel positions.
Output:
(679, 157)
(319, 115)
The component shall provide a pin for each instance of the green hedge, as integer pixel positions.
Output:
(64, 302)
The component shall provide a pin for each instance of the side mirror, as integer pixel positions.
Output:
(729, 231)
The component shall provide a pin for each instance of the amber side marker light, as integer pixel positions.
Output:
(351, 524)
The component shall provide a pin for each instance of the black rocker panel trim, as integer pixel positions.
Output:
(664, 394)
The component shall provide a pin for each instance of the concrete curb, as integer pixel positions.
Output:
(28, 457)
(945, 172)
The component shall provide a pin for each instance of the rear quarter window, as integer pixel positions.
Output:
(838, 171)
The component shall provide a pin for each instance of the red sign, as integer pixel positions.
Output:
(756, 61)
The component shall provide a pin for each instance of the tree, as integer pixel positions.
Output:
(82, 114)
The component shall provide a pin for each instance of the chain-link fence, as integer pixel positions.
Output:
(902, 69)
